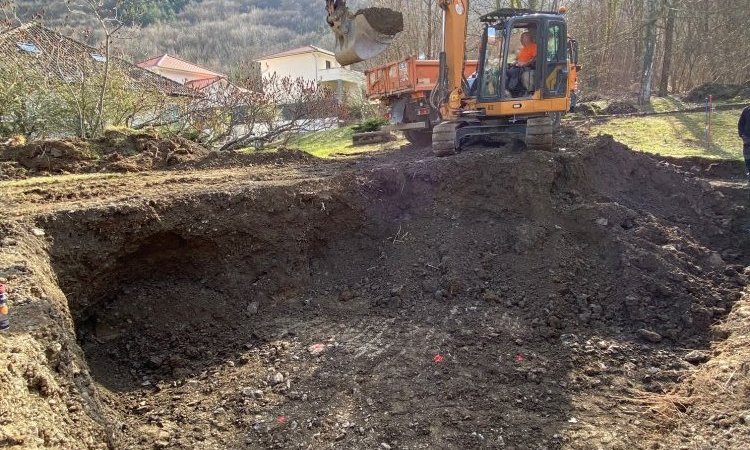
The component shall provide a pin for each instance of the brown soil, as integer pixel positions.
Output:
(719, 92)
(123, 153)
(588, 298)
(383, 20)
(620, 107)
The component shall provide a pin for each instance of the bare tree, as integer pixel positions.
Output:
(108, 17)
(669, 29)
(649, 45)
(255, 111)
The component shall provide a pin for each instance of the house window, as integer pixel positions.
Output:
(28, 47)
(98, 57)
(328, 64)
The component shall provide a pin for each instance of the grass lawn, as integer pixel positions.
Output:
(678, 135)
(337, 142)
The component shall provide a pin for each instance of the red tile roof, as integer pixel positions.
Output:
(204, 83)
(167, 61)
(297, 51)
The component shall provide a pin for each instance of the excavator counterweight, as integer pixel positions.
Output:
(364, 34)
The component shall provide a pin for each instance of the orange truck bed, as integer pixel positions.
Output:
(408, 75)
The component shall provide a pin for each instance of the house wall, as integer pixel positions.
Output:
(306, 65)
(343, 89)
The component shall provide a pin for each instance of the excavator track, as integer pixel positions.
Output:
(444, 138)
(539, 133)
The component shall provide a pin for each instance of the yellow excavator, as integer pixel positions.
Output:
(504, 100)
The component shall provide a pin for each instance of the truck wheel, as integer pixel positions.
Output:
(419, 138)
(539, 133)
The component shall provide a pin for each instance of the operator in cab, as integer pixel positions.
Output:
(526, 58)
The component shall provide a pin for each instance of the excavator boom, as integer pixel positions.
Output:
(364, 34)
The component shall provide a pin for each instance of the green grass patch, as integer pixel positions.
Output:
(678, 135)
(336, 142)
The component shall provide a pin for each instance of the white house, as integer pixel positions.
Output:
(314, 64)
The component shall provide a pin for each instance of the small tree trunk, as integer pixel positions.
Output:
(648, 54)
(428, 49)
(99, 125)
(666, 68)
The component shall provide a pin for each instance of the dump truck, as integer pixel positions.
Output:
(404, 88)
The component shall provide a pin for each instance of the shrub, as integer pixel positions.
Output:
(370, 125)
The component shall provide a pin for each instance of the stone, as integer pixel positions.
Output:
(346, 295)
(38, 232)
(252, 393)
(385, 446)
(275, 379)
(430, 285)
(602, 222)
(490, 296)
(716, 261)
(316, 349)
(252, 308)
(554, 322)
(650, 336)
(697, 357)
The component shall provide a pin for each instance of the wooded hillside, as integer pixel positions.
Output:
(221, 34)
(673, 45)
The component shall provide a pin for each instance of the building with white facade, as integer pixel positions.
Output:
(314, 64)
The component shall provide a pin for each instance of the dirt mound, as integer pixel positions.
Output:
(116, 152)
(492, 299)
(719, 92)
(279, 156)
(124, 152)
(384, 20)
(50, 156)
(620, 107)
(588, 109)
(709, 168)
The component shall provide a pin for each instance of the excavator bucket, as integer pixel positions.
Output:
(364, 34)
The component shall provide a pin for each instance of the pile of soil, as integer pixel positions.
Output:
(116, 152)
(280, 156)
(124, 152)
(383, 20)
(620, 107)
(588, 109)
(495, 299)
(719, 92)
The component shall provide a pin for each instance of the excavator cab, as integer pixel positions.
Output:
(501, 45)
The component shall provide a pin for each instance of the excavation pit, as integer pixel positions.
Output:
(419, 304)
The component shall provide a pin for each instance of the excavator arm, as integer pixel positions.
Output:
(364, 34)
(453, 54)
